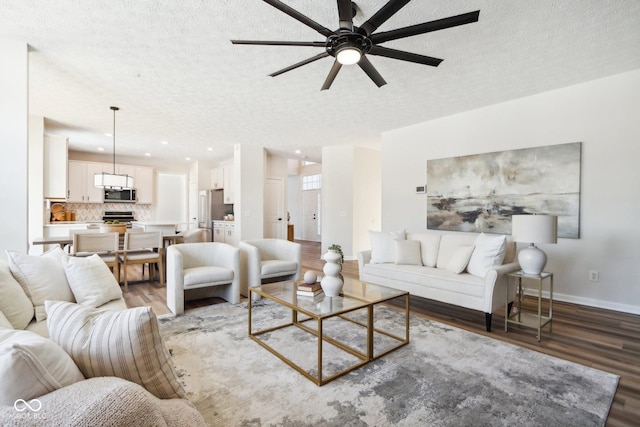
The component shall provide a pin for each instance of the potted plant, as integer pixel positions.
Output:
(338, 249)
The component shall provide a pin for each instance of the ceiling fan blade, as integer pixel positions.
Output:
(300, 64)
(440, 24)
(382, 15)
(278, 43)
(373, 74)
(404, 56)
(332, 75)
(345, 13)
(300, 17)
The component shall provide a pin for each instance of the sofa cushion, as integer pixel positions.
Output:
(489, 251)
(274, 268)
(408, 252)
(31, 365)
(91, 281)
(429, 243)
(125, 344)
(14, 303)
(4, 322)
(438, 278)
(41, 277)
(382, 245)
(449, 243)
(211, 274)
(458, 262)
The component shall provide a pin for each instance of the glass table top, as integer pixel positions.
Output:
(355, 294)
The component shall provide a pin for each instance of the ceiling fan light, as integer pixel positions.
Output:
(349, 55)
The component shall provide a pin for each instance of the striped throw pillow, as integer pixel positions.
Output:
(123, 343)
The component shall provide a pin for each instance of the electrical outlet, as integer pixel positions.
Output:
(594, 275)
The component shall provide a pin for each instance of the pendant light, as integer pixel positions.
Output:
(113, 180)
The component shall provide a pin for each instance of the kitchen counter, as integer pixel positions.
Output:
(67, 223)
(165, 227)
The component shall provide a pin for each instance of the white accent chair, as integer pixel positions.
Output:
(269, 260)
(202, 270)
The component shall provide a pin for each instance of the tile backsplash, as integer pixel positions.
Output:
(94, 211)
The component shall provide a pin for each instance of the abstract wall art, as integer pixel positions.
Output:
(479, 193)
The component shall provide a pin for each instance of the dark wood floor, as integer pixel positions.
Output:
(602, 339)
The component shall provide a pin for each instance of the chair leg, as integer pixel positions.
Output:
(126, 275)
(161, 271)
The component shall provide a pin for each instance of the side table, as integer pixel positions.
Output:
(531, 320)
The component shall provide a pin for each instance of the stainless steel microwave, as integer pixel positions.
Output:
(123, 196)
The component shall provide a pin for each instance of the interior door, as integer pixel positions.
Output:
(311, 203)
(274, 211)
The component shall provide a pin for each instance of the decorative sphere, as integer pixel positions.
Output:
(310, 277)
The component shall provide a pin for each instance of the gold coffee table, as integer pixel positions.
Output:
(310, 315)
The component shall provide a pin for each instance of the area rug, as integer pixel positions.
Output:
(445, 376)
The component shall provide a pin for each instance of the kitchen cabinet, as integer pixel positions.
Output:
(55, 167)
(224, 232)
(217, 178)
(80, 178)
(143, 182)
(228, 192)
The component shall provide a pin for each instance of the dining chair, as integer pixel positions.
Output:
(143, 248)
(104, 244)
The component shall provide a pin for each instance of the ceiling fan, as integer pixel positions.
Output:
(350, 44)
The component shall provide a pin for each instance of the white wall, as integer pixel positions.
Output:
(14, 117)
(602, 114)
(36, 181)
(249, 173)
(350, 197)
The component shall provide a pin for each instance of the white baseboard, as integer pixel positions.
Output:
(589, 302)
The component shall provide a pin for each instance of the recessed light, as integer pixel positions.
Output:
(187, 158)
(210, 149)
(147, 154)
(100, 149)
(164, 142)
(298, 151)
(108, 134)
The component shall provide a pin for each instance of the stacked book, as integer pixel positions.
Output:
(309, 290)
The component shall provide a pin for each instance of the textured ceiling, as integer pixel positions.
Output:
(171, 69)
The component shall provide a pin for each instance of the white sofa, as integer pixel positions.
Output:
(41, 384)
(438, 267)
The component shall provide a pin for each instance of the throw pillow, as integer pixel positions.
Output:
(91, 281)
(460, 258)
(14, 303)
(4, 322)
(31, 365)
(124, 343)
(383, 246)
(42, 278)
(408, 252)
(489, 251)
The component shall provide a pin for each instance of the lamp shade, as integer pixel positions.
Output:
(534, 228)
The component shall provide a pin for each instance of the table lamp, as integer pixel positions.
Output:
(533, 229)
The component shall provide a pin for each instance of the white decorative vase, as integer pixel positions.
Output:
(331, 282)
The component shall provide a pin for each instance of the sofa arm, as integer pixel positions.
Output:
(175, 280)
(364, 257)
(494, 283)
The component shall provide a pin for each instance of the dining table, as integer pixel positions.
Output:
(168, 239)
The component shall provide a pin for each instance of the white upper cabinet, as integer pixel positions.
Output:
(55, 167)
(143, 182)
(227, 194)
(217, 178)
(81, 182)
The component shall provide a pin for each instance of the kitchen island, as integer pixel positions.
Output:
(165, 227)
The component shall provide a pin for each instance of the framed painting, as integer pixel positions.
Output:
(480, 192)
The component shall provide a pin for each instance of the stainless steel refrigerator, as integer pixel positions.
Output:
(211, 208)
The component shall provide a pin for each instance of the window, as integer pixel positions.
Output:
(311, 182)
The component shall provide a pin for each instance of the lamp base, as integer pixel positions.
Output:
(532, 260)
